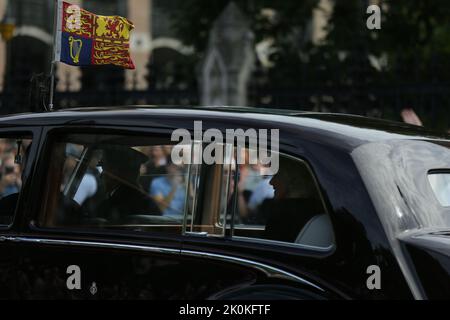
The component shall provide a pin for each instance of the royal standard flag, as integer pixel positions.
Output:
(87, 39)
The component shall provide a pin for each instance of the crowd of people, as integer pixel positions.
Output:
(133, 181)
(149, 174)
(11, 165)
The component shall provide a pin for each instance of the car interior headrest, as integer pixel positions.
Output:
(318, 232)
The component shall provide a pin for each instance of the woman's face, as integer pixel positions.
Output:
(279, 186)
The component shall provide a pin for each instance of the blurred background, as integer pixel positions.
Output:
(298, 54)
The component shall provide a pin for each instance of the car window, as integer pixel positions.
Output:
(440, 183)
(115, 182)
(13, 157)
(284, 206)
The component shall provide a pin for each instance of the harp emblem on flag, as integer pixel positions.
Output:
(75, 49)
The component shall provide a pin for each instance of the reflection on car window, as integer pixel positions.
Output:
(13, 157)
(115, 183)
(440, 183)
(285, 207)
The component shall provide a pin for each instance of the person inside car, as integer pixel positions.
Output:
(169, 191)
(8, 202)
(295, 202)
(154, 167)
(124, 195)
(10, 183)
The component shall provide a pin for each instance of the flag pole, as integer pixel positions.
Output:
(54, 58)
(52, 86)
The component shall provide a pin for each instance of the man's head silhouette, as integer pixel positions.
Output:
(121, 165)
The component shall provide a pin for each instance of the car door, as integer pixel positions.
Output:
(275, 240)
(17, 152)
(73, 248)
(68, 252)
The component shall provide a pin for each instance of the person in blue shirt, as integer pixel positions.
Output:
(169, 191)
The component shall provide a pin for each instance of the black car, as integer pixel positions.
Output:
(93, 206)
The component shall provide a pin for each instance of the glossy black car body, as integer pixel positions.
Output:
(366, 169)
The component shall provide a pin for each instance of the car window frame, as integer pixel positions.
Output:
(228, 232)
(35, 133)
(188, 222)
(328, 250)
(45, 145)
(48, 140)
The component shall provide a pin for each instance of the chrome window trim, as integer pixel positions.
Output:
(186, 196)
(96, 245)
(270, 271)
(286, 244)
(195, 144)
(252, 227)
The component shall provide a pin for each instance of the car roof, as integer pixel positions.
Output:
(352, 129)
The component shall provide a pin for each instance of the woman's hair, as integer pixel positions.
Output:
(296, 177)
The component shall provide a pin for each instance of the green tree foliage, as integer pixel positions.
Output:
(416, 39)
(194, 18)
(405, 64)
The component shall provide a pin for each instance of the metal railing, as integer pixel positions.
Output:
(431, 103)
